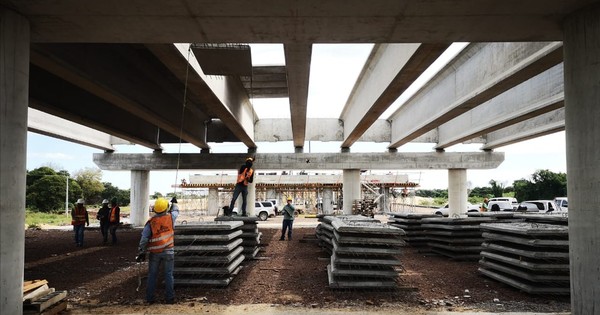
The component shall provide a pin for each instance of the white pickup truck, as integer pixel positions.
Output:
(262, 209)
(562, 204)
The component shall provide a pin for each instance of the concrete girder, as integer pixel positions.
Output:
(387, 73)
(540, 94)
(541, 125)
(468, 81)
(49, 125)
(297, 60)
(223, 97)
(307, 161)
(130, 81)
(284, 21)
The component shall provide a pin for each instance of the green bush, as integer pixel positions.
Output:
(36, 219)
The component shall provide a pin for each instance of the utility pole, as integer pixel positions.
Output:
(67, 197)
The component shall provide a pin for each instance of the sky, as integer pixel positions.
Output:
(334, 69)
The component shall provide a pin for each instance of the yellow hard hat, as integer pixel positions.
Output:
(161, 205)
(290, 199)
(250, 159)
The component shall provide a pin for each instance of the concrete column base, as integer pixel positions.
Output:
(457, 192)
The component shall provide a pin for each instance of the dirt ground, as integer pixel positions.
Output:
(104, 279)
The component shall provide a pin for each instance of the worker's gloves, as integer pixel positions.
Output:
(140, 257)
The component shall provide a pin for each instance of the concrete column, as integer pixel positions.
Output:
(140, 195)
(250, 200)
(213, 201)
(582, 110)
(14, 99)
(351, 189)
(457, 191)
(327, 200)
(271, 194)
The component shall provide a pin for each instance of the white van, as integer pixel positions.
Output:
(503, 204)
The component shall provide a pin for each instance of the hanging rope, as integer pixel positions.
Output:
(187, 72)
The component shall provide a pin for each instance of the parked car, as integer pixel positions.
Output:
(503, 204)
(445, 211)
(541, 206)
(562, 204)
(262, 209)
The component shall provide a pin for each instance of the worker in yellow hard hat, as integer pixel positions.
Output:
(79, 218)
(288, 219)
(158, 239)
(245, 176)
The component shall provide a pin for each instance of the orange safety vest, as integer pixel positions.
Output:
(244, 175)
(162, 233)
(113, 215)
(78, 216)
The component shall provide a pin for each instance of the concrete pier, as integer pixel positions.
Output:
(213, 201)
(351, 188)
(582, 99)
(457, 191)
(14, 99)
(140, 192)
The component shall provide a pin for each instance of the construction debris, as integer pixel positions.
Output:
(39, 298)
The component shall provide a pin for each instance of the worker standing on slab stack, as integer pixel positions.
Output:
(79, 218)
(288, 219)
(102, 216)
(114, 219)
(245, 176)
(158, 239)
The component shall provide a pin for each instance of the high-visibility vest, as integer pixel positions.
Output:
(78, 216)
(113, 215)
(162, 233)
(244, 175)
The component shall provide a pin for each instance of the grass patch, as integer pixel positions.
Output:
(37, 219)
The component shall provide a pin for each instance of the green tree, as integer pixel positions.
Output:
(544, 184)
(46, 193)
(38, 173)
(497, 188)
(123, 195)
(90, 181)
(156, 195)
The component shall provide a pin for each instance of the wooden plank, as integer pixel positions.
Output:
(33, 285)
(52, 310)
(30, 299)
(35, 292)
(46, 301)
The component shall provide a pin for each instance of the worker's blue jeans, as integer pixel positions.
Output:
(168, 260)
(239, 188)
(78, 229)
(287, 224)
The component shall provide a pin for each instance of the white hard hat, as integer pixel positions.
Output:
(105, 201)
(80, 200)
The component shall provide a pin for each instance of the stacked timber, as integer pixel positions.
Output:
(532, 257)
(365, 207)
(39, 298)
(364, 255)
(251, 236)
(208, 253)
(415, 235)
(456, 238)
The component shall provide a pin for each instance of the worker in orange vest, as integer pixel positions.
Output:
(114, 219)
(245, 176)
(158, 239)
(79, 218)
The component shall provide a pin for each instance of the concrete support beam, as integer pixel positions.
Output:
(140, 195)
(468, 81)
(544, 124)
(538, 95)
(457, 191)
(387, 73)
(307, 161)
(582, 97)
(297, 60)
(327, 200)
(351, 188)
(14, 91)
(49, 125)
(213, 201)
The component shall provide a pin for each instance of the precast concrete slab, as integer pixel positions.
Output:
(245, 220)
(205, 248)
(252, 234)
(209, 270)
(452, 227)
(251, 252)
(207, 226)
(363, 270)
(369, 250)
(527, 251)
(365, 227)
(407, 227)
(557, 219)
(458, 221)
(358, 283)
(212, 280)
(456, 249)
(209, 258)
(492, 214)
(524, 273)
(454, 234)
(326, 226)
(410, 216)
(359, 238)
(249, 227)
(221, 237)
(527, 263)
(523, 285)
(526, 240)
(251, 241)
(528, 228)
(342, 259)
(454, 255)
(456, 241)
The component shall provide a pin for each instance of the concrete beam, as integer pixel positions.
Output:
(387, 73)
(297, 60)
(538, 95)
(542, 125)
(468, 81)
(121, 68)
(305, 161)
(52, 126)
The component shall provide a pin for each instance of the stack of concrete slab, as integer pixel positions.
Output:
(415, 234)
(556, 219)
(364, 255)
(457, 238)
(208, 253)
(533, 257)
(251, 236)
(324, 230)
